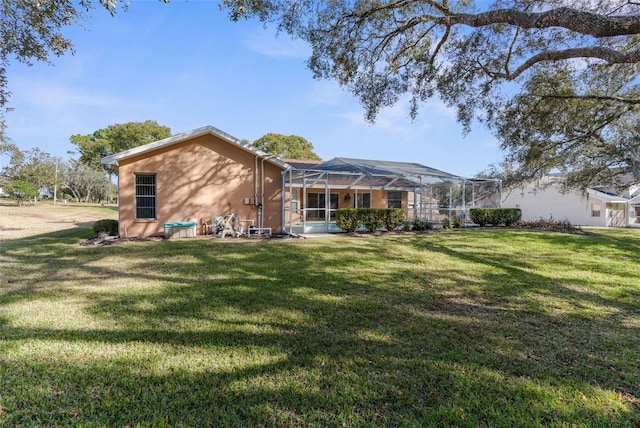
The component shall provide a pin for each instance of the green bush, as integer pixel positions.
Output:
(495, 216)
(393, 218)
(480, 216)
(106, 226)
(350, 219)
(372, 218)
(420, 225)
(509, 216)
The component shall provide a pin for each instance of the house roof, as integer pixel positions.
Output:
(178, 138)
(302, 163)
(607, 197)
(410, 171)
(351, 173)
(634, 200)
(344, 171)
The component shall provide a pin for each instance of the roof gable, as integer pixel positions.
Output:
(185, 136)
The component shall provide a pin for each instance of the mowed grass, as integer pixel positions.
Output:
(475, 328)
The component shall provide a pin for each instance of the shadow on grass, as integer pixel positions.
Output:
(431, 330)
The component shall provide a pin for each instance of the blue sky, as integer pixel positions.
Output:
(186, 65)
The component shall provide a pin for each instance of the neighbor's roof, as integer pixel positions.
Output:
(178, 138)
(607, 197)
(634, 200)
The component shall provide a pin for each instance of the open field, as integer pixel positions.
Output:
(45, 217)
(475, 328)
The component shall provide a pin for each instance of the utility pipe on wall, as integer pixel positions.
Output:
(255, 181)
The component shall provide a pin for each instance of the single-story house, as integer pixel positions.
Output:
(197, 175)
(592, 207)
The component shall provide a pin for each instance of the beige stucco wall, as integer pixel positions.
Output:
(198, 179)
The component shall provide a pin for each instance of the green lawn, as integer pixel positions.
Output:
(476, 328)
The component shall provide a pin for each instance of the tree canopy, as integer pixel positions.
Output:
(32, 31)
(39, 170)
(32, 166)
(286, 146)
(116, 138)
(86, 184)
(556, 80)
(21, 191)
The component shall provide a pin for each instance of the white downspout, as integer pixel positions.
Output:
(255, 181)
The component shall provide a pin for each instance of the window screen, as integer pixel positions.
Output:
(363, 200)
(146, 197)
(394, 199)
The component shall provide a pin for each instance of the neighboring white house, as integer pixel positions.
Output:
(547, 199)
(634, 211)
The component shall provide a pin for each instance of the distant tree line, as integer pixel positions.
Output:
(33, 173)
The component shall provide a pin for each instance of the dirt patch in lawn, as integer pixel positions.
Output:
(30, 220)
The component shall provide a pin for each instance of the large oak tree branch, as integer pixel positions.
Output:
(611, 56)
(620, 100)
(582, 22)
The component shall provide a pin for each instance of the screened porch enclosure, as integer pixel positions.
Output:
(312, 193)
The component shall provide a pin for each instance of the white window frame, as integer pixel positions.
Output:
(295, 200)
(359, 200)
(318, 212)
(146, 196)
(395, 202)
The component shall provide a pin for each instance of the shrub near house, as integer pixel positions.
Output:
(495, 216)
(106, 227)
(350, 219)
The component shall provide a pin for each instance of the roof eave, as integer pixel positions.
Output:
(114, 160)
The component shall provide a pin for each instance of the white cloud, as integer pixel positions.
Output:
(395, 119)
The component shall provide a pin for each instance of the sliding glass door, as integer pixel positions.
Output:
(317, 204)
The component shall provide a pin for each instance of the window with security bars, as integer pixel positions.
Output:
(146, 197)
(394, 199)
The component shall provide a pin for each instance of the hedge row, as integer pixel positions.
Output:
(350, 219)
(106, 227)
(495, 216)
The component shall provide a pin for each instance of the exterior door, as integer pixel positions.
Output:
(615, 215)
(317, 205)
